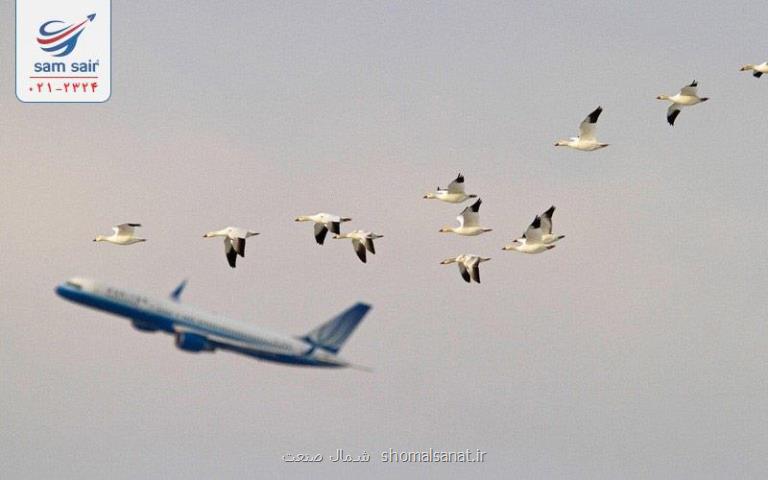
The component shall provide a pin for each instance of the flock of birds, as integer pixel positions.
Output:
(537, 238)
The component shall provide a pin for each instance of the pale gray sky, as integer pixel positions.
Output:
(636, 349)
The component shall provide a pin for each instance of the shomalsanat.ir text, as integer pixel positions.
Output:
(433, 456)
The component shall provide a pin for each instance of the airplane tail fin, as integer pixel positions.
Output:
(331, 335)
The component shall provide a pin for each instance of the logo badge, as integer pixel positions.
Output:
(64, 39)
(63, 50)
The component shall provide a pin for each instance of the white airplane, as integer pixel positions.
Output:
(197, 331)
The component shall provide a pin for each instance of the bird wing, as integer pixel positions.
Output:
(534, 233)
(359, 249)
(464, 272)
(229, 249)
(546, 220)
(457, 186)
(672, 112)
(474, 269)
(125, 229)
(470, 216)
(690, 90)
(368, 242)
(239, 245)
(320, 232)
(587, 126)
(334, 225)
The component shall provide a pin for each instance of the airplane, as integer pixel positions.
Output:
(197, 331)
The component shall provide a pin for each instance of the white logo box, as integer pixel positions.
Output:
(63, 50)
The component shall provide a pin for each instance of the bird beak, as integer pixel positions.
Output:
(295, 219)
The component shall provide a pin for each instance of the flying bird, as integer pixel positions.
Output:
(234, 241)
(469, 266)
(123, 235)
(469, 221)
(686, 97)
(361, 241)
(586, 140)
(757, 70)
(532, 240)
(453, 194)
(323, 223)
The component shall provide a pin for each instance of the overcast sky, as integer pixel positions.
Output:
(635, 349)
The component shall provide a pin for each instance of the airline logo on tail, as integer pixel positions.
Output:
(59, 40)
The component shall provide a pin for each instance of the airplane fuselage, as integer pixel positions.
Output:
(196, 331)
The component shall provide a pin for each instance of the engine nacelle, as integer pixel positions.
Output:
(190, 342)
(144, 326)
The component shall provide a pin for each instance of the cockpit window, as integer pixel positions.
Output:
(74, 284)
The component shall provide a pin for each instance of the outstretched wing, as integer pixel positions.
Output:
(533, 233)
(690, 90)
(672, 112)
(470, 216)
(368, 242)
(320, 232)
(359, 249)
(474, 271)
(125, 229)
(457, 186)
(239, 245)
(464, 272)
(587, 126)
(546, 220)
(229, 249)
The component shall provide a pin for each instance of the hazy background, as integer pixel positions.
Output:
(635, 349)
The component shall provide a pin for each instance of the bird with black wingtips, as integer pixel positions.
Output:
(586, 140)
(757, 70)
(532, 240)
(123, 235)
(361, 241)
(323, 223)
(686, 97)
(234, 242)
(469, 266)
(469, 221)
(453, 194)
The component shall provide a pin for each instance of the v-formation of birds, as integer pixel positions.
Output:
(537, 238)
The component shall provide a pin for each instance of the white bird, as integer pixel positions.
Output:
(531, 241)
(234, 241)
(546, 227)
(586, 140)
(323, 223)
(123, 235)
(469, 221)
(469, 266)
(686, 97)
(361, 241)
(757, 70)
(453, 194)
